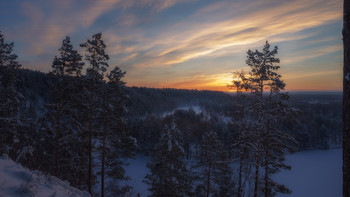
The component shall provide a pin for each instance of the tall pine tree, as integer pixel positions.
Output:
(65, 67)
(116, 141)
(97, 58)
(168, 173)
(243, 140)
(10, 100)
(270, 141)
(275, 140)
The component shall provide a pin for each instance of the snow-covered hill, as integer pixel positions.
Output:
(16, 180)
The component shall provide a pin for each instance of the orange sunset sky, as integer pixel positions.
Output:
(192, 44)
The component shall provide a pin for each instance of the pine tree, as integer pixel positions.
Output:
(169, 175)
(243, 139)
(214, 173)
(275, 140)
(66, 66)
(10, 100)
(116, 139)
(270, 141)
(81, 108)
(96, 56)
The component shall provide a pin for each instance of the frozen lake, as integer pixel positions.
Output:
(314, 173)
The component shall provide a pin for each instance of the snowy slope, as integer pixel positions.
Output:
(314, 173)
(16, 180)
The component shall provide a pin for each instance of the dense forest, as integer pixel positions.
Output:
(79, 124)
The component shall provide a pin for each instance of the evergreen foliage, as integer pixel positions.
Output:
(168, 173)
(11, 120)
(116, 140)
(213, 171)
(97, 58)
(270, 142)
(62, 112)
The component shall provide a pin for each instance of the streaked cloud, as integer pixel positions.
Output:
(306, 54)
(200, 35)
(181, 43)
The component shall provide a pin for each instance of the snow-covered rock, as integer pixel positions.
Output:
(16, 180)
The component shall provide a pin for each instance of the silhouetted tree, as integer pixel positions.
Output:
(65, 66)
(97, 58)
(116, 139)
(269, 141)
(242, 141)
(276, 140)
(10, 100)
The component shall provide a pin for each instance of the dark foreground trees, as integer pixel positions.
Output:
(10, 100)
(76, 128)
(97, 58)
(86, 119)
(116, 142)
(66, 66)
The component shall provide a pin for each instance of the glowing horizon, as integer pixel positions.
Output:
(186, 44)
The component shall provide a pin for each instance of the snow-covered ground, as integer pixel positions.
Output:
(16, 180)
(314, 173)
(137, 171)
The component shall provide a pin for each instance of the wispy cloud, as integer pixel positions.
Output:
(155, 5)
(170, 43)
(46, 28)
(200, 35)
(316, 80)
(311, 74)
(309, 54)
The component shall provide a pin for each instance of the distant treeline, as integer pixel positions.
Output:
(320, 118)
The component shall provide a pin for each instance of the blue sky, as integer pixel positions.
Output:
(194, 44)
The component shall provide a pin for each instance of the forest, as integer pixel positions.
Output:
(80, 122)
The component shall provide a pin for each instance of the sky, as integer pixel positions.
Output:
(187, 44)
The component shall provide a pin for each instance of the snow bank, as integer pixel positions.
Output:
(16, 180)
(314, 173)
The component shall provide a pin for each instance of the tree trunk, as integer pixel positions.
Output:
(240, 176)
(346, 100)
(239, 193)
(257, 167)
(58, 135)
(208, 183)
(259, 140)
(90, 137)
(266, 178)
(103, 155)
(82, 166)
